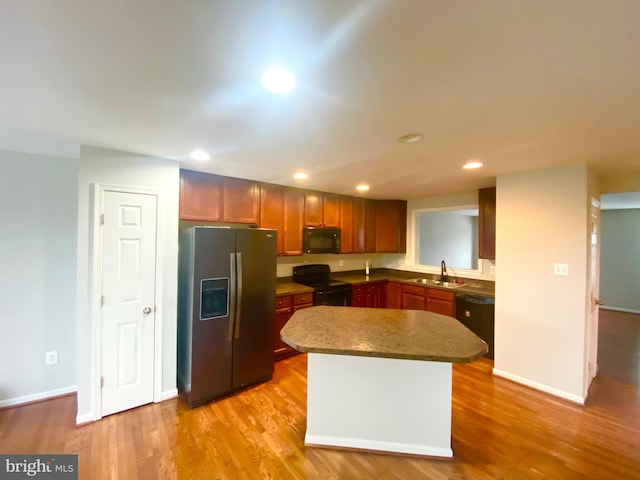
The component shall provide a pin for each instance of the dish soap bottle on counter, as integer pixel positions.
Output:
(366, 267)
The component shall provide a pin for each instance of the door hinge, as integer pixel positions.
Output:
(101, 382)
(102, 219)
(102, 300)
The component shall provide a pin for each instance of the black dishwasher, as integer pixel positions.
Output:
(476, 313)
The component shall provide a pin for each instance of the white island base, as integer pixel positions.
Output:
(375, 403)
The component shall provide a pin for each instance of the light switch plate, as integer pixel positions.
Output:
(561, 269)
(51, 358)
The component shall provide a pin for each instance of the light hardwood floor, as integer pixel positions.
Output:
(619, 346)
(500, 430)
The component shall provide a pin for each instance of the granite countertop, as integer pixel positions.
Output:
(290, 288)
(381, 332)
(481, 288)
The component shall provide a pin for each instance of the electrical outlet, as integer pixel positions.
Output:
(341, 263)
(492, 270)
(51, 358)
(561, 269)
(400, 262)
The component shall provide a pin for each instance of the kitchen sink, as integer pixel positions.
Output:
(427, 281)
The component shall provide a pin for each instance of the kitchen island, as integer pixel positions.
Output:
(380, 379)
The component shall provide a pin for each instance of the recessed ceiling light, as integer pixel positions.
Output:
(410, 137)
(200, 155)
(301, 176)
(363, 187)
(278, 80)
(473, 164)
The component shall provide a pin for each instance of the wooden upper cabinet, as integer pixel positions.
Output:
(294, 203)
(331, 205)
(391, 226)
(200, 196)
(272, 211)
(359, 226)
(364, 225)
(313, 209)
(241, 201)
(346, 225)
(487, 223)
(370, 226)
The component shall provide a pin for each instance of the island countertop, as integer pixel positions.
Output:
(381, 332)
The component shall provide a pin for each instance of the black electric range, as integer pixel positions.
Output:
(326, 291)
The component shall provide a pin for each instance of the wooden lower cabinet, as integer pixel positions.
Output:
(371, 295)
(394, 295)
(286, 306)
(413, 297)
(441, 301)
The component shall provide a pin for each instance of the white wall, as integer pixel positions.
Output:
(620, 259)
(337, 263)
(461, 246)
(542, 218)
(38, 205)
(114, 168)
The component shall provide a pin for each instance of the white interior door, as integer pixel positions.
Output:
(128, 303)
(594, 293)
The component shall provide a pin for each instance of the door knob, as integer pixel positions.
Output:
(599, 302)
(146, 310)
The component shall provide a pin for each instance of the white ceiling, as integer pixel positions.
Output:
(519, 84)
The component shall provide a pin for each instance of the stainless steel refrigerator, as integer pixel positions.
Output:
(226, 310)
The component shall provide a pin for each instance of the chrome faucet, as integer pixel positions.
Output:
(443, 272)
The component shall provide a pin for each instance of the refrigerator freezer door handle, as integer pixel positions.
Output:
(239, 294)
(232, 295)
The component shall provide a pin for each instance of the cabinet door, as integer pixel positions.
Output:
(313, 209)
(373, 296)
(359, 244)
(443, 307)
(346, 224)
(413, 302)
(282, 317)
(293, 217)
(200, 196)
(331, 205)
(272, 211)
(391, 226)
(394, 295)
(359, 300)
(370, 225)
(241, 201)
(487, 223)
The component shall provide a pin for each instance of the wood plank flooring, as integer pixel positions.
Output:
(619, 346)
(501, 430)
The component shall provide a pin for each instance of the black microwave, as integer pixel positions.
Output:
(321, 240)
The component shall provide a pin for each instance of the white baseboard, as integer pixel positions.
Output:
(539, 386)
(375, 445)
(34, 397)
(84, 418)
(618, 309)
(167, 394)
